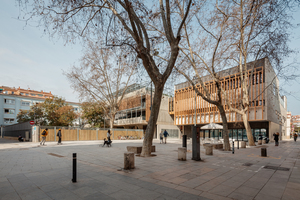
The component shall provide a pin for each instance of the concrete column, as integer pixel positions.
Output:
(128, 160)
(35, 136)
(182, 153)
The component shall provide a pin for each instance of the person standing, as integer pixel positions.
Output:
(166, 134)
(276, 138)
(161, 135)
(59, 136)
(108, 135)
(295, 136)
(44, 135)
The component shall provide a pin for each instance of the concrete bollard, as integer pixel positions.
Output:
(208, 149)
(243, 144)
(182, 153)
(259, 142)
(128, 160)
(264, 141)
(263, 152)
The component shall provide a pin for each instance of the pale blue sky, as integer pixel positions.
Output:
(28, 58)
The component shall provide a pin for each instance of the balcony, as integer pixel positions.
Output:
(134, 120)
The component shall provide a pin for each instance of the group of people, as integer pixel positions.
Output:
(162, 135)
(45, 133)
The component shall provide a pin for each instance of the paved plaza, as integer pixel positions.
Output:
(29, 171)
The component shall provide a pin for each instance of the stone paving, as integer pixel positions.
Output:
(29, 171)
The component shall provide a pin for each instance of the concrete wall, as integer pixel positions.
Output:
(165, 121)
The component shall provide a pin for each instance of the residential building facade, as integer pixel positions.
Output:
(267, 113)
(12, 100)
(135, 110)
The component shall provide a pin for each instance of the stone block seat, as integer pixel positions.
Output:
(138, 149)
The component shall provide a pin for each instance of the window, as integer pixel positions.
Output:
(9, 101)
(12, 92)
(7, 120)
(27, 94)
(21, 93)
(9, 111)
(75, 109)
(25, 103)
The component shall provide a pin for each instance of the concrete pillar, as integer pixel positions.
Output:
(128, 160)
(182, 153)
(243, 144)
(35, 136)
(208, 149)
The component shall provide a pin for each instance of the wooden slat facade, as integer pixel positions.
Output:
(183, 106)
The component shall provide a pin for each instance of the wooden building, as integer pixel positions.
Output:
(135, 109)
(267, 112)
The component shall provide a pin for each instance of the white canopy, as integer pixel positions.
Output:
(212, 126)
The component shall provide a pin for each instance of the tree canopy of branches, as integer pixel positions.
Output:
(93, 113)
(103, 77)
(145, 28)
(35, 113)
(53, 112)
(233, 33)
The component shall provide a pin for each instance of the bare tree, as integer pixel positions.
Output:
(104, 77)
(145, 28)
(202, 55)
(258, 29)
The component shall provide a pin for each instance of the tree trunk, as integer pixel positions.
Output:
(147, 143)
(225, 128)
(248, 130)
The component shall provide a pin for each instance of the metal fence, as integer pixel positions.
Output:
(14, 131)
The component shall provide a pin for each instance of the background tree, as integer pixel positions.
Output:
(93, 113)
(102, 77)
(35, 113)
(144, 28)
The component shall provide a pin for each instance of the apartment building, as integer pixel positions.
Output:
(135, 110)
(267, 113)
(12, 100)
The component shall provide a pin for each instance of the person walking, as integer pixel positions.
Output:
(161, 135)
(166, 134)
(59, 136)
(295, 136)
(44, 135)
(108, 135)
(276, 137)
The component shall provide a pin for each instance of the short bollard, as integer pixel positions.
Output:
(184, 141)
(182, 153)
(209, 149)
(128, 160)
(259, 142)
(74, 168)
(263, 152)
(243, 144)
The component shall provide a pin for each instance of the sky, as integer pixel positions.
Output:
(31, 59)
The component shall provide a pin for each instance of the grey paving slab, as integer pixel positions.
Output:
(31, 172)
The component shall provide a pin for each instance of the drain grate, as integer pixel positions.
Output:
(277, 168)
(247, 164)
(53, 154)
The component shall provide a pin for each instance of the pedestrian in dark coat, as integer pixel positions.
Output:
(295, 136)
(166, 134)
(59, 136)
(276, 138)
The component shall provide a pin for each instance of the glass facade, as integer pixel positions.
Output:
(237, 134)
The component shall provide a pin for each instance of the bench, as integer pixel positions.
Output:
(138, 149)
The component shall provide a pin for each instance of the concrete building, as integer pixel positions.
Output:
(12, 100)
(135, 111)
(295, 123)
(267, 113)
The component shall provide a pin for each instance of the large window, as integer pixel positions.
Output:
(25, 103)
(9, 111)
(7, 120)
(9, 101)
